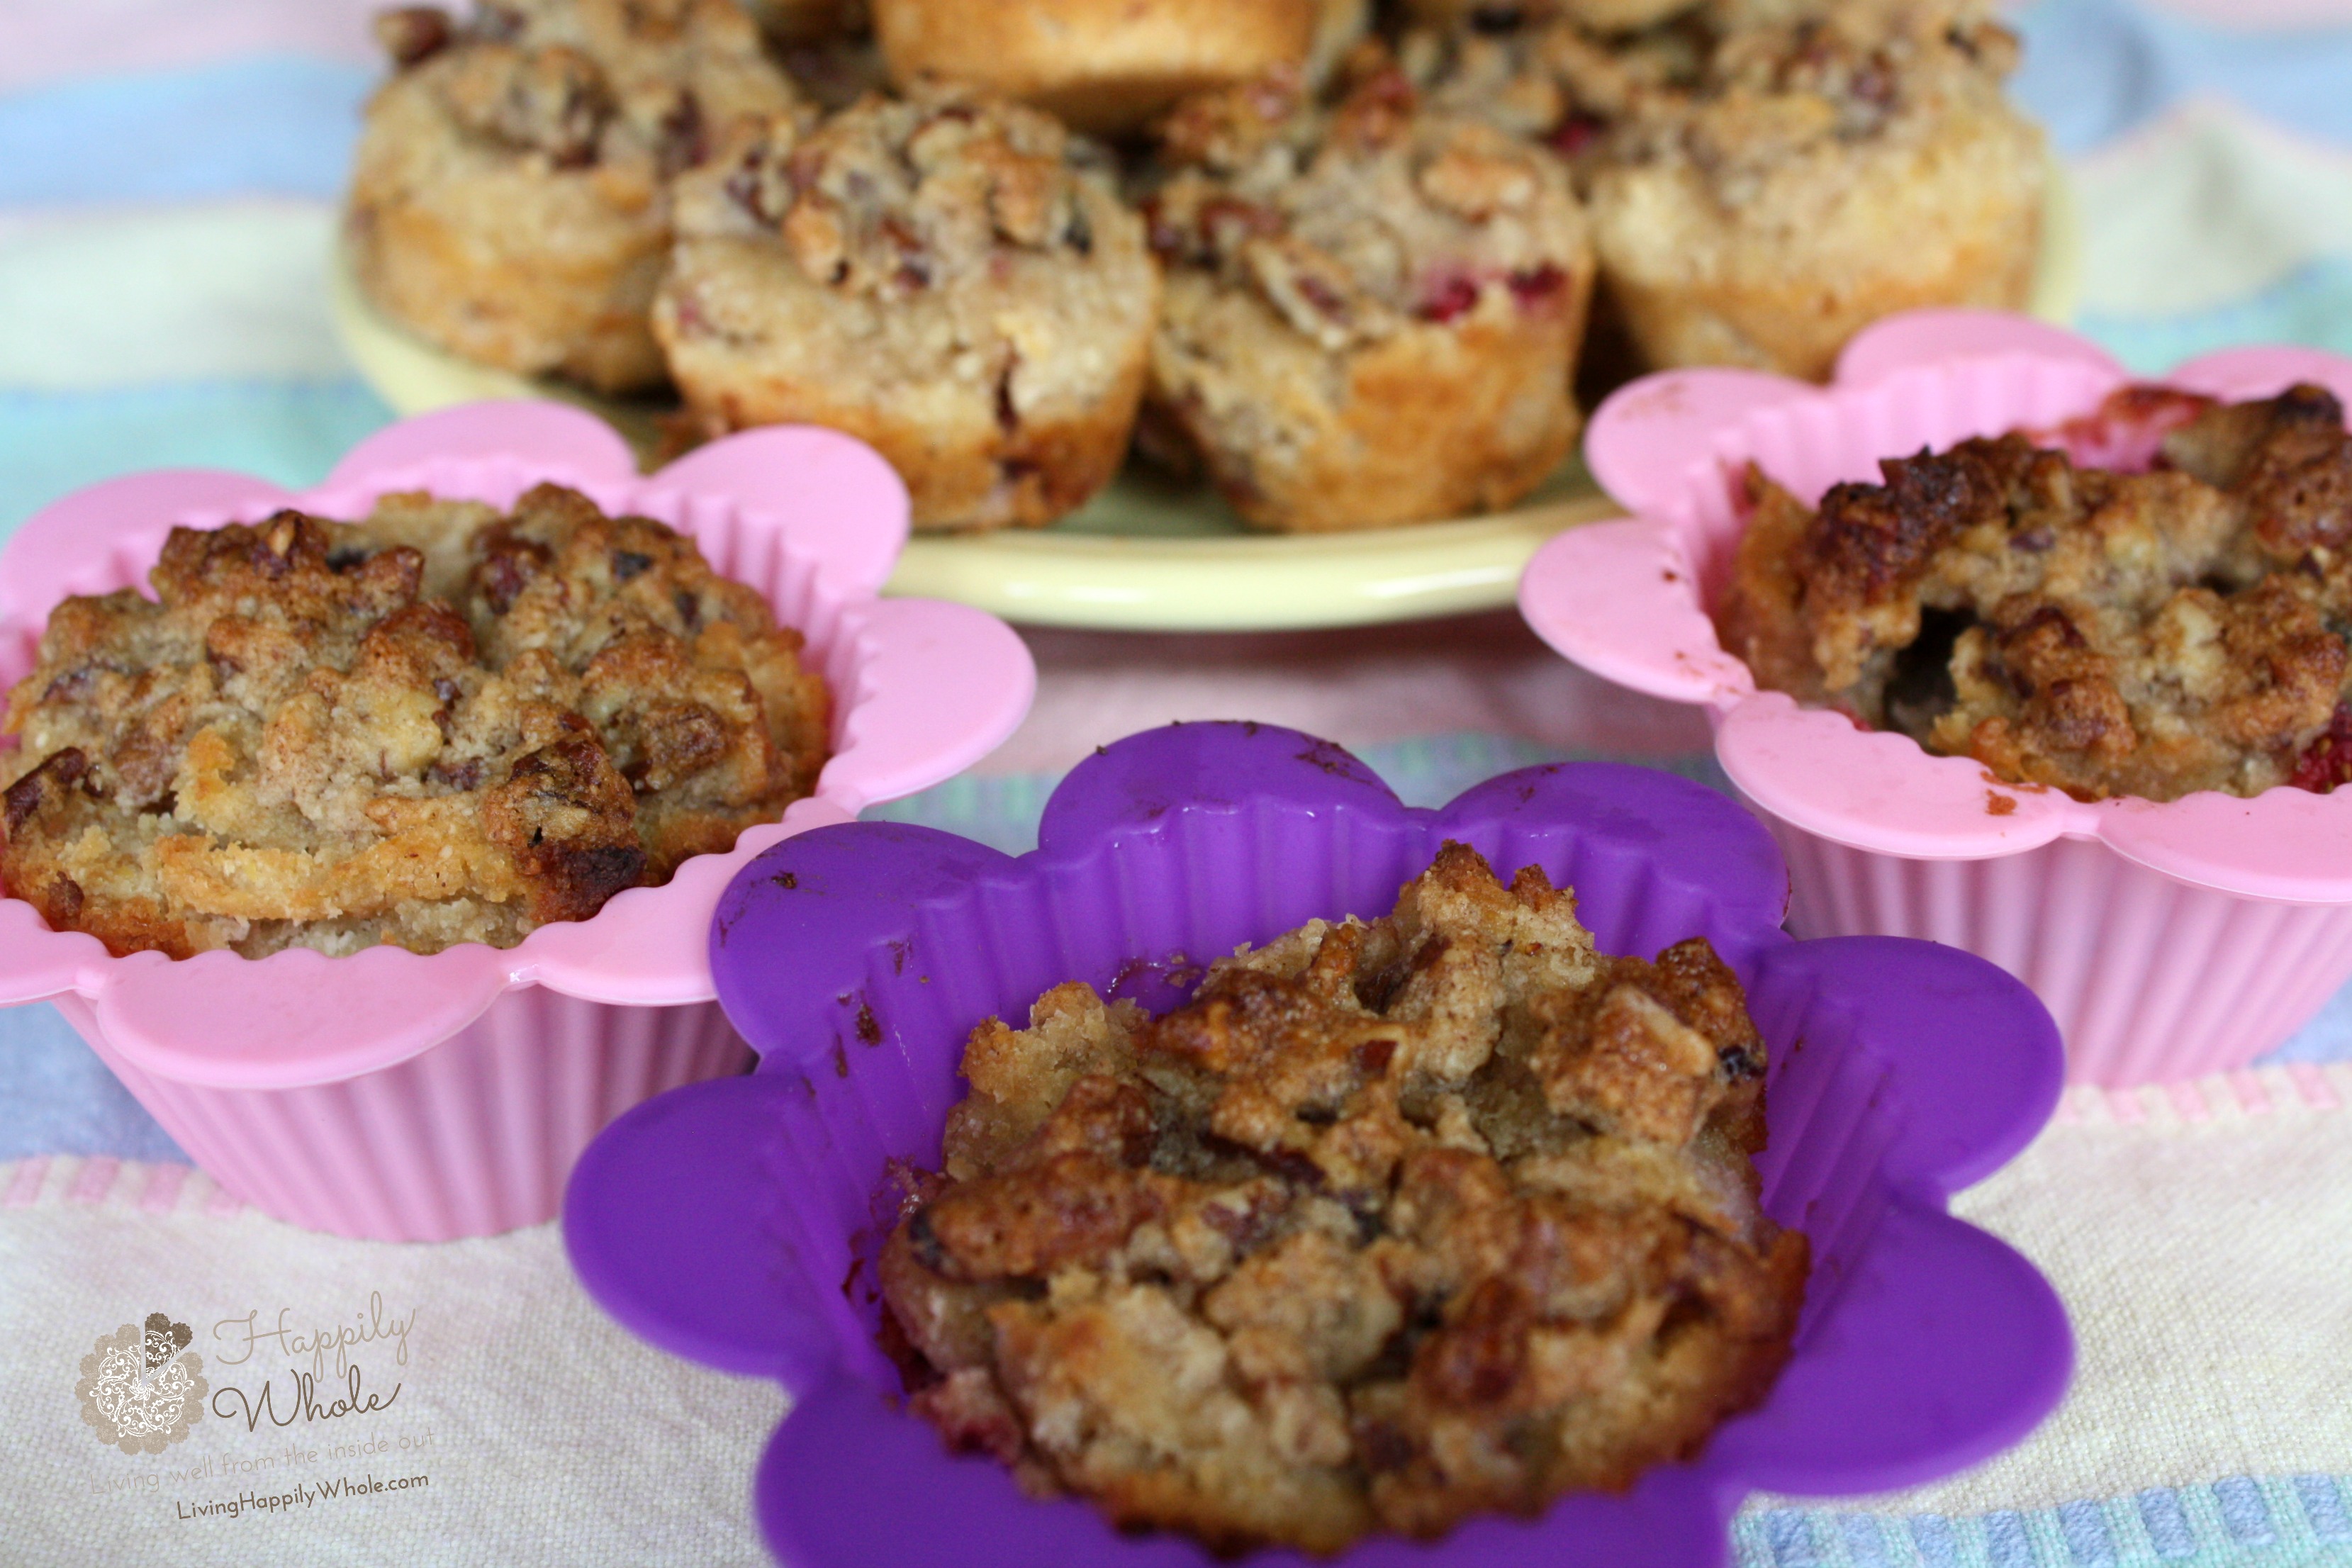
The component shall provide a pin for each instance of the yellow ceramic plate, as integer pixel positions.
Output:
(1146, 556)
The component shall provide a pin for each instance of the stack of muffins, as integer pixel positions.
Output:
(1340, 264)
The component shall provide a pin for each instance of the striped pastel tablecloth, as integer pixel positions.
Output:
(168, 170)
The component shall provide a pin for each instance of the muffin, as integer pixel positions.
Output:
(1372, 310)
(1542, 78)
(1106, 66)
(1393, 1223)
(508, 195)
(1798, 179)
(2148, 633)
(443, 724)
(949, 277)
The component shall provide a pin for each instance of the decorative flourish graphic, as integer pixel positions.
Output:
(142, 1387)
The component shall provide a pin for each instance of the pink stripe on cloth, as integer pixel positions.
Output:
(163, 1185)
(103, 1181)
(49, 40)
(2318, 1092)
(25, 1185)
(94, 1180)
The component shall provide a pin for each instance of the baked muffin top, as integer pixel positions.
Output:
(1393, 1223)
(1355, 220)
(442, 725)
(1736, 92)
(1785, 86)
(642, 86)
(899, 199)
(2146, 634)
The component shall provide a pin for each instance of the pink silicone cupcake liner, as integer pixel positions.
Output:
(404, 1098)
(2170, 941)
(736, 1222)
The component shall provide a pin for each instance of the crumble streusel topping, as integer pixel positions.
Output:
(580, 83)
(1395, 1222)
(442, 725)
(1355, 220)
(1736, 91)
(2146, 634)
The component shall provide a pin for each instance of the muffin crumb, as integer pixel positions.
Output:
(442, 725)
(1393, 1223)
(2174, 622)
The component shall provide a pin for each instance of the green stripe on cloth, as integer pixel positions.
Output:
(52, 443)
(2313, 306)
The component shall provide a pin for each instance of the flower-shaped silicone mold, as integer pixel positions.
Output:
(731, 1222)
(2168, 938)
(393, 1095)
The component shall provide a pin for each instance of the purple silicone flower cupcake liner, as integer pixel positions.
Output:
(735, 1222)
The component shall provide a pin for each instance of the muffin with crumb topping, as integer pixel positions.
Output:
(1395, 1224)
(443, 724)
(507, 195)
(2144, 632)
(1812, 176)
(1766, 178)
(949, 278)
(1372, 309)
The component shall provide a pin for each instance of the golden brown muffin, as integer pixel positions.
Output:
(946, 277)
(2110, 634)
(1371, 310)
(442, 725)
(1395, 1224)
(507, 201)
(1767, 176)
(1102, 65)
(1813, 177)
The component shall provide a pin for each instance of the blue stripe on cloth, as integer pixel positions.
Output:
(2237, 1523)
(2322, 1506)
(2243, 1511)
(1790, 1535)
(1864, 1542)
(275, 126)
(2094, 68)
(61, 1098)
(2084, 1527)
(288, 432)
(2311, 306)
(2168, 1524)
(1932, 1534)
(2008, 1543)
